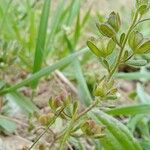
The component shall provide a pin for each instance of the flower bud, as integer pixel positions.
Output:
(114, 21)
(142, 6)
(90, 128)
(42, 147)
(101, 90)
(106, 30)
(59, 101)
(105, 89)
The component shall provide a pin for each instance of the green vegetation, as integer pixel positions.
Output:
(44, 42)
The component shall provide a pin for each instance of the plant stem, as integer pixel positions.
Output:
(123, 46)
(46, 129)
(74, 120)
(141, 21)
(129, 57)
(67, 133)
(87, 110)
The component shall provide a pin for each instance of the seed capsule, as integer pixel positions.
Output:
(135, 39)
(90, 128)
(114, 21)
(45, 119)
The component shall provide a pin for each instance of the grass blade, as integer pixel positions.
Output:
(55, 23)
(45, 71)
(84, 92)
(5, 14)
(73, 11)
(119, 130)
(40, 45)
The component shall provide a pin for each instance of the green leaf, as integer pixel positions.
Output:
(56, 22)
(106, 64)
(126, 55)
(75, 5)
(130, 110)
(132, 123)
(122, 37)
(84, 92)
(86, 17)
(77, 30)
(135, 39)
(145, 144)
(119, 131)
(136, 63)
(144, 48)
(106, 30)
(110, 47)
(94, 49)
(75, 108)
(7, 125)
(40, 44)
(5, 14)
(109, 142)
(133, 75)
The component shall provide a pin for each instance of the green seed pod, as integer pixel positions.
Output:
(144, 48)
(135, 39)
(114, 21)
(106, 30)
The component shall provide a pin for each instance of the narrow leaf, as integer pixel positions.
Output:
(45, 71)
(40, 44)
(130, 110)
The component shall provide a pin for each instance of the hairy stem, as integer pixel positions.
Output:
(74, 121)
(123, 46)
